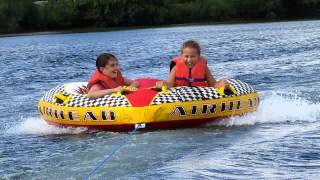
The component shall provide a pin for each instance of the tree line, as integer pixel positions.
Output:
(30, 15)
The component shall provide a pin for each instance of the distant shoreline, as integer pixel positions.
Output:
(109, 29)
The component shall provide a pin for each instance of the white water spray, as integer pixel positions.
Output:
(277, 107)
(37, 126)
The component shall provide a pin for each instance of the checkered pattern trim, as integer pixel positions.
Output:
(197, 93)
(49, 96)
(241, 87)
(186, 94)
(107, 100)
(177, 94)
(80, 100)
(162, 98)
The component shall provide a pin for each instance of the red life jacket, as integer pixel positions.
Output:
(105, 81)
(190, 77)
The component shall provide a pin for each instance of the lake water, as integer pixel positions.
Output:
(279, 141)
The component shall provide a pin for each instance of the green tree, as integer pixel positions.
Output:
(3, 16)
(26, 15)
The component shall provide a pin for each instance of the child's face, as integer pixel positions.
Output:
(111, 69)
(190, 56)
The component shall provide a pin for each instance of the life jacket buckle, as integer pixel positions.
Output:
(191, 80)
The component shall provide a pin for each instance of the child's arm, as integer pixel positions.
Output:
(171, 77)
(213, 82)
(210, 79)
(170, 81)
(129, 82)
(97, 91)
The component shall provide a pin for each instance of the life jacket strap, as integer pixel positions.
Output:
(191, 80)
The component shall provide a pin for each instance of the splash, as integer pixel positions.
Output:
(37, 126)
(277, 107)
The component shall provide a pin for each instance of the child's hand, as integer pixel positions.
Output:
(159, 84)
(134, 84)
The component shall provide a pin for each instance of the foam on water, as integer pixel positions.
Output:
(37, 126)
(277, 107)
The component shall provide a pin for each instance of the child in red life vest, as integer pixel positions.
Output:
(107, 78)
(191, 69)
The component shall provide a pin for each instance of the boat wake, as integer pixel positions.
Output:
(277, 107)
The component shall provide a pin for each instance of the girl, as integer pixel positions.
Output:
(190, 69)
(107, 78)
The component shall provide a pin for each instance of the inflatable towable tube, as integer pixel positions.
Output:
(67, 105)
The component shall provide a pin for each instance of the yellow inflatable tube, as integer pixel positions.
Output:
(174, 108)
